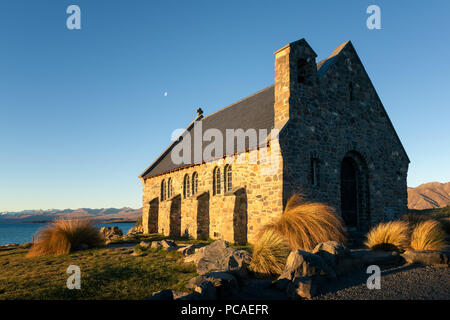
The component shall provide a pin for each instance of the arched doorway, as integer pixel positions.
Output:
(240, 216)
(355, 192)
(153, 216)
(203, 216)
(175, 217)
(349, 193)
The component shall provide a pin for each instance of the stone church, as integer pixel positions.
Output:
(335, 143)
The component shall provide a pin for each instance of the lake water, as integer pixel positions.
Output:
(23, 232)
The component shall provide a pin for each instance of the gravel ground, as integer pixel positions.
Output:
(397, 283)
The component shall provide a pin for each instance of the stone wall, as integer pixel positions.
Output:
(324, 118)
(235, 215)
(331, 117)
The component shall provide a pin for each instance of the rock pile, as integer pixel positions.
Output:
(111, 233)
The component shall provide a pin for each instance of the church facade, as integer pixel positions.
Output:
(330, 139)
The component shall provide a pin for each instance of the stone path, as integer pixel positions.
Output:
(402, 282)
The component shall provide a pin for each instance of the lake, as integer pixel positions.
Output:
(23, 232)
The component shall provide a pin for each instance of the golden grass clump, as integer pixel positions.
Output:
(390, 236)
(304, 224)
(63, 236)
(269, 255)
(428, 235)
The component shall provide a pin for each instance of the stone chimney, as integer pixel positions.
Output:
(295, 78)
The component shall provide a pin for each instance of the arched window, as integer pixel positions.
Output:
(216, 181)
(169, 188)
(186, 187)
(194, 183)
(228, 178)
(163, 190)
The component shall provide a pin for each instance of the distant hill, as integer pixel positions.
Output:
(429, 195)
(99, 215)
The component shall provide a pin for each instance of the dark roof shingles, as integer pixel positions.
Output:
(254, 112)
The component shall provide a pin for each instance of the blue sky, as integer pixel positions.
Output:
(83, 112)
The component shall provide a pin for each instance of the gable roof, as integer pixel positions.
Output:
(323, 65)
(254, 112)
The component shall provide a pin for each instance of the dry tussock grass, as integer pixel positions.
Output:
(393, 235)
(269, 255)
(428, 235)
(304, 224)
(63, 236)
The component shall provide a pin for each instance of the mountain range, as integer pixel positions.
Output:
(99, 215)
(429, 196)
(426, 196)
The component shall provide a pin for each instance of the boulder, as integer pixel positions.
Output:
(170, 295)
(218, 256)
(225, 284)
(129, 236)
(381, 258)
(168, 245)
(156, 245)
(204, 290)
(162, 295)
(179, 295)
(427, 257)
(111, 233)
(136, 230)
(305, 264)
(303, 287)
(303, 274)
(331, 252)
(186, 250)
(337, 256)
(145, 244)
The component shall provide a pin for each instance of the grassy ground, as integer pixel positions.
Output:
(440, 214)
(435, 213)
(106, 273)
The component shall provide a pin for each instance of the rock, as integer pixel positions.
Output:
(282, 284)
(111, 233)
(337, 256)
(331, 252)
(258, 284)
(303, 287)
(162, 295)
(186, 250)
(145, 244)
(178, 295)
(168, 245)
(136, 230)
(205, 291)
(156, 245)
(218, 256)
(225, 284)
(303, 273)
(129, 237)
(427, 257)
(380, 258)
(305, 264)
(332, 247)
